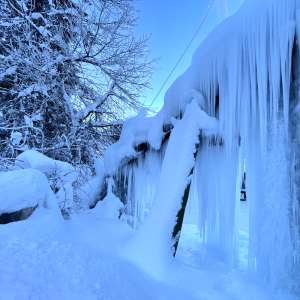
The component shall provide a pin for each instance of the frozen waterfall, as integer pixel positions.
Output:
(246, 76)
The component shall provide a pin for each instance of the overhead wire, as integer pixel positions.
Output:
(209, 7)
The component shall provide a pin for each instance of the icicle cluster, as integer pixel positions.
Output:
(251, 84)
(137, 183)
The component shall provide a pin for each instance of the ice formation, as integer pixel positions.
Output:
(245, 75)
(153, 239)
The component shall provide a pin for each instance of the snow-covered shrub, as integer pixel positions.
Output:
(61, 175)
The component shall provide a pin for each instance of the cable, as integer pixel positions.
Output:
(209, 7)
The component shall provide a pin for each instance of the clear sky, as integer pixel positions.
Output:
(172, 24)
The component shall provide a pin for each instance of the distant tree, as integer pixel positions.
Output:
(69, 70)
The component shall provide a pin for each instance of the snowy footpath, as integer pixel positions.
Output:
(81, 259)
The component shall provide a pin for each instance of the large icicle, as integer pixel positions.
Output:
(137, 184)
(215, 182)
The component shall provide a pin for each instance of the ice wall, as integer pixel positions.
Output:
(245, 74)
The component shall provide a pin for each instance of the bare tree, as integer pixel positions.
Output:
(69, 71)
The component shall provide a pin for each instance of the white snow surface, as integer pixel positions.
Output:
(90, 190)
(62, 173)
(246, 64)
(23, 189)
(43, 258)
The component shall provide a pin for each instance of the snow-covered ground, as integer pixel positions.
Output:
(81, 259)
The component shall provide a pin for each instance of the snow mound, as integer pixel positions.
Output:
(110, 207)
(88, 192)
(61, 174)
(23, 189)
(32, 159)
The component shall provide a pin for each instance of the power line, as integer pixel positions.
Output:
(209, 7)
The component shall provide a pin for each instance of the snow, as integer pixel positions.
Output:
(36, 160)
(16, 138)
(35, 87)
(80, 259)
(88, 192)
(135, 130)
(204, 274)
(110, 207)
(23, 189)
(61, 173)
(75, 259)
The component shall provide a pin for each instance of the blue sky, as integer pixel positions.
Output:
(172, 24)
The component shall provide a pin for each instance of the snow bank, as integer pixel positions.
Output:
(42, 259)
(88, 192)
(23, 189)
